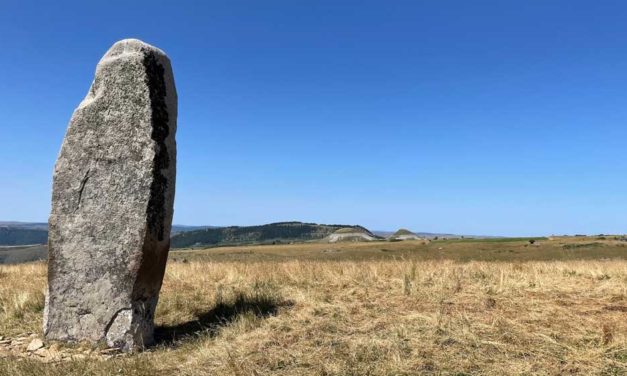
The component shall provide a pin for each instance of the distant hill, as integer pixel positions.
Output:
(352, 229)
(22, 236)
(182, 228)
(25, 225)
(30, 233)
(270, 233)
(428, 235)
(404, 234)
(433, 235)
(352, 234)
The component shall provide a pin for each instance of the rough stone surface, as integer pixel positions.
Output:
(112, 202)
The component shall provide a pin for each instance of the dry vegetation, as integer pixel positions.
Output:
(317, 311)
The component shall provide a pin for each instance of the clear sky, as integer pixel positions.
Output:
(475, 117)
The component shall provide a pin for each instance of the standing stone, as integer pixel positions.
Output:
(112, 202)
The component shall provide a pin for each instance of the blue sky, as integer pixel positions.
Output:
(475, 117)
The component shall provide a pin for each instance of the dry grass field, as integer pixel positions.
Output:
(494, 307)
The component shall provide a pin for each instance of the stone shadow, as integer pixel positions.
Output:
(212, 321)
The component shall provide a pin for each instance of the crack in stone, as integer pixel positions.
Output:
(113, 318)
(81, 189)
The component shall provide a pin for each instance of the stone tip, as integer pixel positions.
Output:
(131, 46)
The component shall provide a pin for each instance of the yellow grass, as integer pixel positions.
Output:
(368, 317)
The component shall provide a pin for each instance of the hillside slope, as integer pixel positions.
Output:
(273, 232)
(22, 236)
(27, 233)
(20, 254)
(351, 234)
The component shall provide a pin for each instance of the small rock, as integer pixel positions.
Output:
(33, 335)
(42, 353)
(5, 342)
(35, 344)
(54, 356)
(1, 338)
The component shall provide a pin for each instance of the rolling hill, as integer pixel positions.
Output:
(263, 234)
(352, 234)
(20, 254)
(10, 235)
(32, 233)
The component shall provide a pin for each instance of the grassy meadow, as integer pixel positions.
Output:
(451, 307)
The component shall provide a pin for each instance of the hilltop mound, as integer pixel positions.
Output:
(404, 234)
(351, 234)
(348, 230)
(264, 234)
